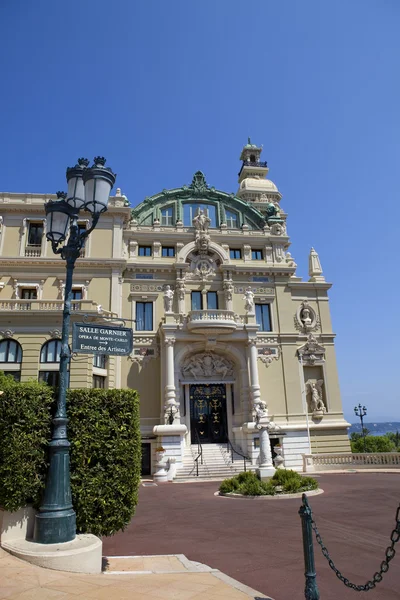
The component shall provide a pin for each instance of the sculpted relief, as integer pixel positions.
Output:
(207, 364)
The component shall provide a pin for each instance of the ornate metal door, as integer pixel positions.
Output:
(208, 412)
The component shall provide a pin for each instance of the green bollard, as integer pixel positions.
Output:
(311, 591)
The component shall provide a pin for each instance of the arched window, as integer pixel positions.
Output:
(49, 363)
(50, 352)
(11, 358)
(191, 210)
(232, 221)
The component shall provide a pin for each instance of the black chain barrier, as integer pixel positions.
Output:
(311, 592)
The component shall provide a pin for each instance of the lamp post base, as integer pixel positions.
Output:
(55, 527)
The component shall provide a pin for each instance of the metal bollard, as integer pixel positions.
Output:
(311, 591)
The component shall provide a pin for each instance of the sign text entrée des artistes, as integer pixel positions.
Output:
(101, 339)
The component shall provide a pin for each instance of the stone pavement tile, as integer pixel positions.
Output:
(125, 564)
(116, 592)
(40, 593)
(10, 587)
(162, 563)
(71, 586)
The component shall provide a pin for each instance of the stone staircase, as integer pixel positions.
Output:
(217, 464)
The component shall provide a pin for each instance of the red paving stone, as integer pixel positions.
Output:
(258, 542)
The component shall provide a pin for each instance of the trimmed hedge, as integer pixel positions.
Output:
(104, 431)
(25, 428)
(283, 481)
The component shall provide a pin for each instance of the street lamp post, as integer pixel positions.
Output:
(361, 411)
(88, 189)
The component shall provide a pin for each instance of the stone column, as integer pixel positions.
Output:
(171, 405)
(254, 381)
(266, 468)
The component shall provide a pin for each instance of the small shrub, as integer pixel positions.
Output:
(246, 476)
(252, 488)
(269, 488)
(308, 483)
(228, 486)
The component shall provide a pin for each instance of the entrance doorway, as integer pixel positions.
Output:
(208, 413)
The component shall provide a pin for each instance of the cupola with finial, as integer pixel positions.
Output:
(253, 184)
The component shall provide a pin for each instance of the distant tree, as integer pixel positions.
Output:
(359, 436)
(395, 438)
(373, 443)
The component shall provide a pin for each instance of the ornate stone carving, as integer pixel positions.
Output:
(199, 184)
(311, 352)
(314, 397)
(228, 290)
(7, 333)
(180, 289)
(168, 299)
(267, 355)
(142, 355)
(207, 364)
(202, 240)
(262, 291)
(202, 267)
(306, 319)
(249, 300)
(55, 333)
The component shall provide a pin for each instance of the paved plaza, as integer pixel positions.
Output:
(258, 542)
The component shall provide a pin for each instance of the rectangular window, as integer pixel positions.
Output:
(76, 294)
(144, 316)
(256, 255)
(50, 377)
(144, 250)
(99, 381)
(35, 234)
(167, 215)
(29, 294)
(99, 361)
(15, 374)
(168, 251)
(212, 300)
(197, 301)
(263, 317)
(235, 253)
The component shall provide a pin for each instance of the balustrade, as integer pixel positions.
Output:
(350, 460)
(46, 305)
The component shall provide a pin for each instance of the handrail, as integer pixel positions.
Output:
(233, 450)
(199, 450)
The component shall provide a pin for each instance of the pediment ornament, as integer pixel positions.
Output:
(311, 352)
(206, 365)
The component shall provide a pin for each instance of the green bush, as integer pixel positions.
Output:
(105, 440)
(105, 451)
(228, 486)
(308, 483)
(373, 443)
(283, 480)
(25, 425)
(252, 488)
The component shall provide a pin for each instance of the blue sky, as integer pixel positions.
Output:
(165, 88)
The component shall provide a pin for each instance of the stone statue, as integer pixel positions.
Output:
(315, 402)
(228, 289)
(260, 411)
(181, 290)
(168, 298)
(305, 316)
(249, 300)
(201, 221)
